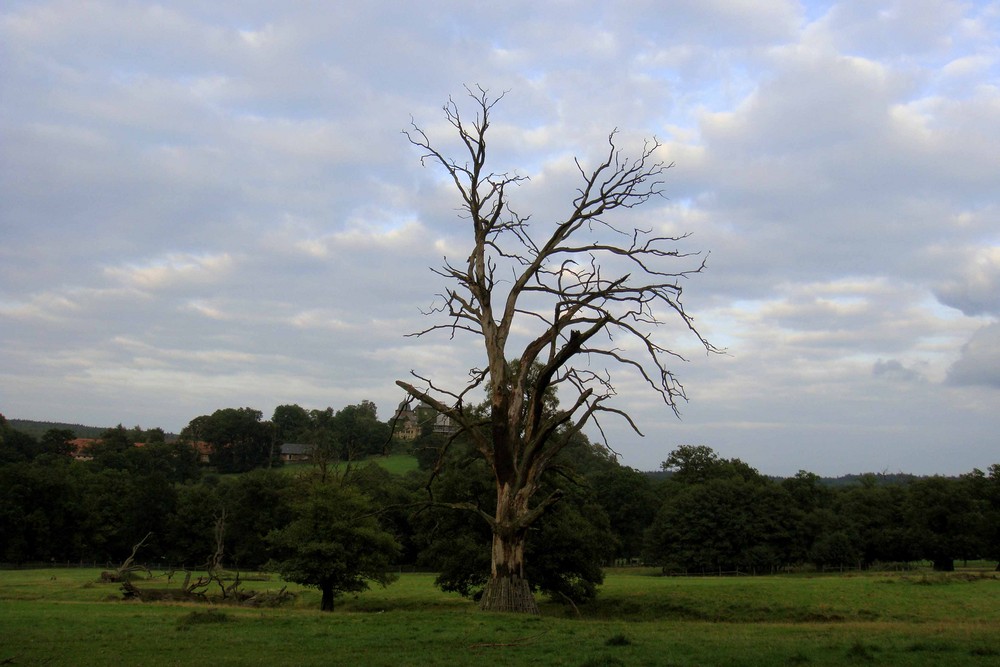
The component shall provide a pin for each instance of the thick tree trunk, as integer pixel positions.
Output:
(944, 564)
(508, 589)
(327, 602)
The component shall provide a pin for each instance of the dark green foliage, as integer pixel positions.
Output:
(721, 525)
(175, 462)
(394, 501)
(697, 464)
(719, 515)
(987, 492)
(113, 441)
(566, 548)
(569, 546)
(239, 440)
(56, 441)
(36, 429)
(838, 548)
(120, 508)
(154, 436)
(427, 449)
(292, 423)
(358, 432)
(41, 516)
(945, 521)
(628, 498)
(873, 516)
(16, 446)
(712, 514)
(811, 500)
(256, 503)
(178, 461)
(456, 542)
(252, 505)
(348, 435)
(189, 531)
(334, 542)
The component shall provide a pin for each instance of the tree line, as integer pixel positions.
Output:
(343, 522)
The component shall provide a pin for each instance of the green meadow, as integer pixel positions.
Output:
(65, 617)
(397, 464)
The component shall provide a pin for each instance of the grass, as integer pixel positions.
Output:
(63, 617)
(397, 464)
(200, 617)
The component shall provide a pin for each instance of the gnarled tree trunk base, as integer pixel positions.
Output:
(508, 594)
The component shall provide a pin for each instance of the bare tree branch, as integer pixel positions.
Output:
(547, 302)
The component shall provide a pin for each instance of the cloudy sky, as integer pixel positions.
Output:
(211, 204)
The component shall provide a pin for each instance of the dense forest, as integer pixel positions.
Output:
(222, 483)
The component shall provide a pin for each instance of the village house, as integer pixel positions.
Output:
(409, 423)
(292, 452)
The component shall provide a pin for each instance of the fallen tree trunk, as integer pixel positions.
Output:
(127, 568)
(243, 598)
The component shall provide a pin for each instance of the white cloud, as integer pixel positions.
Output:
(975, 290)
(206, 309)
(893, 30)
(893, 369)
(320, 319)
(211, 204)
(979, 363)
(173, 269)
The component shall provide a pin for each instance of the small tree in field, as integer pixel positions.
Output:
(562, 301)
(335, 543)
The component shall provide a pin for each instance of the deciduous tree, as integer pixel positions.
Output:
(335, 543)
(566, 301)
(721, 514)
(240, 441)
(291, 423)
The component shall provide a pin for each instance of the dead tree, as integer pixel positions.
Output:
(213, 566)
(125, 571)
(566, 302)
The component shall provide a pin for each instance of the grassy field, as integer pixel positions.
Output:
(397, 464)
(64, 617)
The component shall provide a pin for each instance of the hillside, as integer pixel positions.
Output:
(37, 429)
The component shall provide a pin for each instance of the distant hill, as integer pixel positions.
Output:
(880, 479)
(37, 429)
